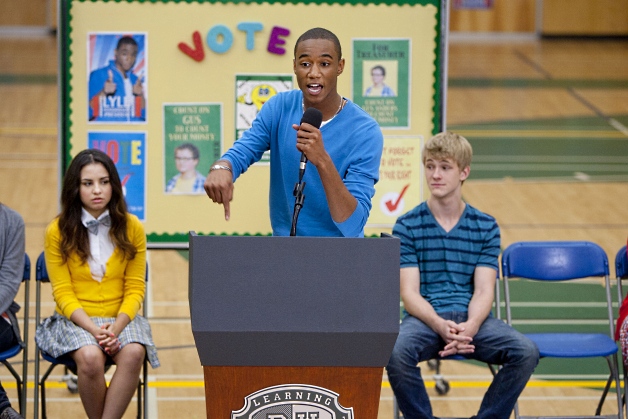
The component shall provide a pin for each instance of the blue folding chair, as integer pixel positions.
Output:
(23, 347)
(560, 261)
(621, 272)
(41, 276)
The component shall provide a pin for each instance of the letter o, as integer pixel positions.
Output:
(214, 34)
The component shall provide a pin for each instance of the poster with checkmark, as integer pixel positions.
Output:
(400, 186)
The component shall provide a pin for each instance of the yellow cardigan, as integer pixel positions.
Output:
(121, 289)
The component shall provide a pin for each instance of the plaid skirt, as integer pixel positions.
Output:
(57, 336)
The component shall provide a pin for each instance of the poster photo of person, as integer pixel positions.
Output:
(192, 141)
(381, 80)
(117, 77)
(377, 83)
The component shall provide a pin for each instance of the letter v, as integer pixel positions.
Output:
(197, 54)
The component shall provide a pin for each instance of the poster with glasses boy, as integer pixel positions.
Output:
(381, 82)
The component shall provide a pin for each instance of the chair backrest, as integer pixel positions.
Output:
(554, 260)
(621, 264)
(41, 273)
(27, 268)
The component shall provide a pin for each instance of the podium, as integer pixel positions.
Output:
(293, 327)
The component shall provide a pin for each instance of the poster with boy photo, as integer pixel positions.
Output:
(117, 67)
(381, 80)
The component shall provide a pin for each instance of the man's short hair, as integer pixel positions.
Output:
(380, 68)
(126, 40)
(319, 33)
(447, 145)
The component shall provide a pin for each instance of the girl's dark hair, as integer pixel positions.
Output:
(74, 235)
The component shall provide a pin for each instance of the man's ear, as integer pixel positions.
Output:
(341, 66)
(464, 173)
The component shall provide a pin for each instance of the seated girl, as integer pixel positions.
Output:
(96, 258)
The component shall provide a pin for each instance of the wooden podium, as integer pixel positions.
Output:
(293, 323)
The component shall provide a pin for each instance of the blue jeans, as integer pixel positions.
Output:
(495, 343)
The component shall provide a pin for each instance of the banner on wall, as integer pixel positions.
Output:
(117, 68)
(400, 186)
(128, 152)
(252, 91)
(209, 78)
(192, 141)
(381, 80)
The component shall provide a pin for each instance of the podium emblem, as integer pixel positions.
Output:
(293, 401)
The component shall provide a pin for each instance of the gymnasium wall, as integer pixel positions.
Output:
(555, 17)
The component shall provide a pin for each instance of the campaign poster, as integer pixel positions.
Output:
(400, 186)
(117, 77)
(192, 142)
(252, 91)
(381, 81)
(128, 152)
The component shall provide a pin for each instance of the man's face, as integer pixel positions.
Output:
(125, 57)
(443, 176)
(185, 160)
(377, 75)
(317, 68)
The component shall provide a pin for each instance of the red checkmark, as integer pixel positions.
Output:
(392, 206)
(126, 179)
(196, 53)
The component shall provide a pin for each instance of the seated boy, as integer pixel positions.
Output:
(449, 266)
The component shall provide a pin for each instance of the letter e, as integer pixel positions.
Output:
(275, 40)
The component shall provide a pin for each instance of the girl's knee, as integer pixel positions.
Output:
(131, 354)
(89, 360)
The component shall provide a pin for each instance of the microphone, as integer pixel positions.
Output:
(313, 117)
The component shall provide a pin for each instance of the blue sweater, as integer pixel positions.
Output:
(353, 140)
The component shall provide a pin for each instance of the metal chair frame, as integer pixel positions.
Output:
(40, 383)
(22, 380)
(561, 261)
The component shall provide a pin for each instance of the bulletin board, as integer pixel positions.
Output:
(198, 73)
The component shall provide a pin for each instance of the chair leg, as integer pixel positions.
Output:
(395, 408)
(607, 387)
(139, 399)
(145, 389)
(142, 392)
(42, 387)
(18, 381)
(614, 376)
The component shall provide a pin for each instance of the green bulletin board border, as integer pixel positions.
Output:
(65, 51)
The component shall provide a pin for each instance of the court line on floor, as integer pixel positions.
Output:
(572, 91)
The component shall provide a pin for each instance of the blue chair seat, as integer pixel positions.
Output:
(10, 353)
(573, 345)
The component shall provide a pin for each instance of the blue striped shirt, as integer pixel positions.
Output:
(447, 260)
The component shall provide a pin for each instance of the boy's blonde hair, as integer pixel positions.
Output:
(446, 145)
